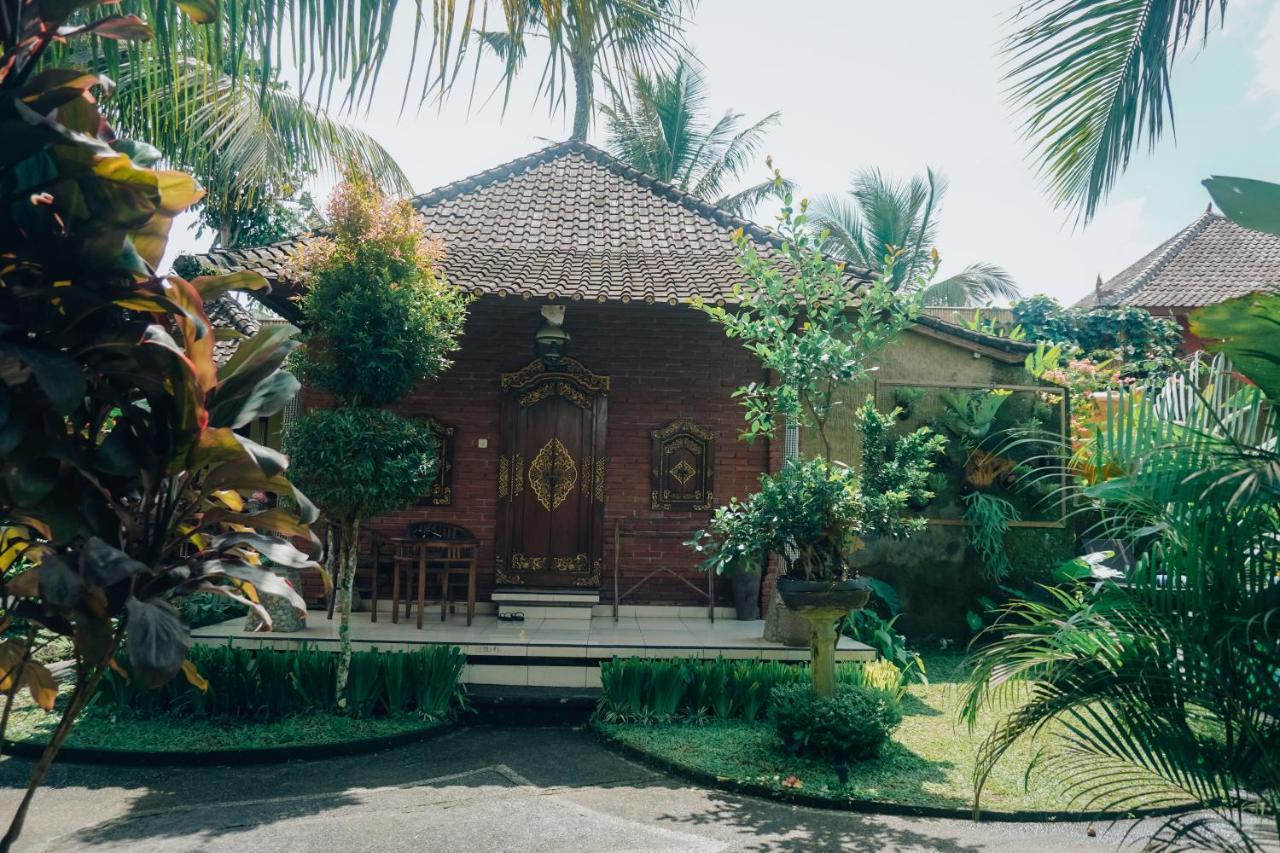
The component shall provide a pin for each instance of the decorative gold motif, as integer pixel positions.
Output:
(517, 475)
(501, 575)
(527, 563)
(504, 477)
(552, 474)
(592, 578)
(549, 389)
(683, 467)
(576, 563)
(683, 472)
(568, 368)
(599, 480)
(537, 395)
(540, 563)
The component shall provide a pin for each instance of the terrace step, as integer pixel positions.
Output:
(547, 603)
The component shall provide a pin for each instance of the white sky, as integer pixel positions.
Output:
(900, 86)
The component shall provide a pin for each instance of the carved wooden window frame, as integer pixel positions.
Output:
(682, 432)
(441, 493)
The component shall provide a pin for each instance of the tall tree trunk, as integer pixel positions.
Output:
(80, 696)
(584, 94)
(350, 540)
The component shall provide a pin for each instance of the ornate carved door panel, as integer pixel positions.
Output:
(551, 476)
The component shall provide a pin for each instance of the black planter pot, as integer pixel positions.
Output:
(803, 595)
(746, 593)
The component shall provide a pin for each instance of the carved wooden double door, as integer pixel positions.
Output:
(551, 476)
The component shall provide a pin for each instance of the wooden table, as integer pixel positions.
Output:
(449, 558)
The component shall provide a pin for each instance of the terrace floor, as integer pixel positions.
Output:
(542, 652)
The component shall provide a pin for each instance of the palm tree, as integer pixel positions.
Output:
(1161, 686)
(250, 146)
(586, 38)
(664, 131)
(879, 218)
(1093, 79)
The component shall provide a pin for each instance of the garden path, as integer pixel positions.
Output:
(480, 789)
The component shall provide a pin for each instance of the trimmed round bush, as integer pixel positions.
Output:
(852, 725)
(361, 462)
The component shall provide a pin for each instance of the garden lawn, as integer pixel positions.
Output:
(928, 763)
(173, 733)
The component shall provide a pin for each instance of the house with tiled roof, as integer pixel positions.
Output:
(1211, 260)
(588, 423)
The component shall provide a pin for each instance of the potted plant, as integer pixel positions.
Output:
(817, 330)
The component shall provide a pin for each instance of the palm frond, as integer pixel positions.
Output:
(241, 141)
(745, 201)
(976, 285)
(660, 127)
(1162, 686)
(1092, 77)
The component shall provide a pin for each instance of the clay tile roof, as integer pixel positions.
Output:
(569, 220)
(226, 313)
(1210, 260)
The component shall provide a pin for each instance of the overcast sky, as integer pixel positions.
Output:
(899, 86)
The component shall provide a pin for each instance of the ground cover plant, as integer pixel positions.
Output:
(928, 761)
(645, 690)
(263, 698)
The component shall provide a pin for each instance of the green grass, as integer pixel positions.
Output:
(929, 762)
(192, 734)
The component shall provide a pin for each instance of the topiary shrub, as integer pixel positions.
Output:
(361, 463)
(380, 320)
(852, 725)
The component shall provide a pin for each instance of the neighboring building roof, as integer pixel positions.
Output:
(567, 222)
(1210, 260)
(226, 313)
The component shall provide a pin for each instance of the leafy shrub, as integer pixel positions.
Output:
(643, 690)
(361, 462)
(206, 608)
(267, 685)
(852, 725)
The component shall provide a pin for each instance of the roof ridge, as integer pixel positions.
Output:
(1174, 247)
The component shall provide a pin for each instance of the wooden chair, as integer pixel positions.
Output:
(440, 551)
(373, 558)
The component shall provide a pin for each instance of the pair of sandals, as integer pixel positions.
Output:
(511, 616)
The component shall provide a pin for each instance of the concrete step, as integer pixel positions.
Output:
(547, 604)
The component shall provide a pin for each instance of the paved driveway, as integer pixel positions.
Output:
(481, 789)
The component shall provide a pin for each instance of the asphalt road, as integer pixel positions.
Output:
(480, 789)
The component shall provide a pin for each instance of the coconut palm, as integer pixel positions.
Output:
(664, 130)
(586, 38)
(879, 217)
(333, 48)
(250, 146)
(1092, 77)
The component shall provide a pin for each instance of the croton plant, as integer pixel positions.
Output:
(123, 475)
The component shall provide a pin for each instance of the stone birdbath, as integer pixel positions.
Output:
(822, 604)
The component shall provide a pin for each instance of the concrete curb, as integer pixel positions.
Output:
(228, 757)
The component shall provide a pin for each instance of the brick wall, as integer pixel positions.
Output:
(664, 361)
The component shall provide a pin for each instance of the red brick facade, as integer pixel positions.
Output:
(664, 361)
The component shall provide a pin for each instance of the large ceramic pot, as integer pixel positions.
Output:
(746, 594)
(845, 595)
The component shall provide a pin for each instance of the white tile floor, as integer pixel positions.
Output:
(578, 644)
